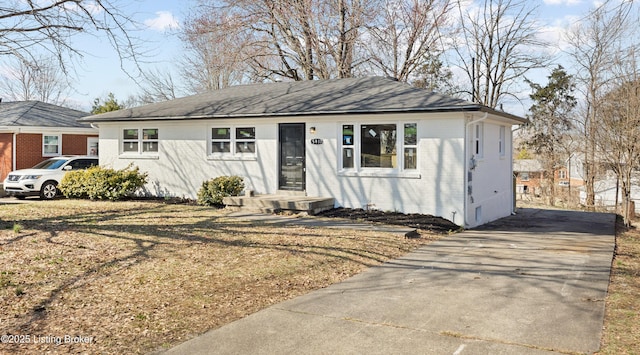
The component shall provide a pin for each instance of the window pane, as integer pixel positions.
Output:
(410, 158)
(149, 134)
(246, 133)
(130, 147)
(245, 147)
(220, 133)
(347, 158)
(149, 146)
(378, 146)
(51, 149)
(347, 135)
(410, 133)
(220, 147)
(51, 140)
(130, 134)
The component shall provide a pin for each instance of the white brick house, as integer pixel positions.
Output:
(367, 142)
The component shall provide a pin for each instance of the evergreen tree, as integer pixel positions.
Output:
(109, 104)
(550, 123)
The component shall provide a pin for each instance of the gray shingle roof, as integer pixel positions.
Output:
(527, 165)
(39, 114)
(336, 96)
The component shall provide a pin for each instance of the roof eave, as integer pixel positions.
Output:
(467, 108)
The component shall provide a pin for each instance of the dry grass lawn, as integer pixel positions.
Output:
(135, 277)
(622, 319)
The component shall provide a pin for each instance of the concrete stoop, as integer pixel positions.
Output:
(277, 203)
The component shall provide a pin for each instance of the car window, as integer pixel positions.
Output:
(51, 164)
(82, 163)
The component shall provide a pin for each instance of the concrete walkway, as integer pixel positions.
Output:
(533, 283)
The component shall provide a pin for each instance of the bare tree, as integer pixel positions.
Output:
(216, 46)
(595, 43)
(41, 80)
(156, 86)
(499, 45)
(279, 39)
(619, 126)
(407, 36)
(31, 27)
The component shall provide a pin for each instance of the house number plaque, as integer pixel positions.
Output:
(316, 141)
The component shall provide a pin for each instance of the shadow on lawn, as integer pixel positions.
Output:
(203, 226)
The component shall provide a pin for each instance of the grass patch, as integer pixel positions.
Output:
(140, 276)
(622, 319)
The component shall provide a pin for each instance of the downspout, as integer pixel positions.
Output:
(513, 178)
(466, 165)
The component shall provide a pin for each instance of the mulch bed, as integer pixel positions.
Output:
(413, 220)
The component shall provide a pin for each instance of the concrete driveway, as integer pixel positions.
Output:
(534, 283)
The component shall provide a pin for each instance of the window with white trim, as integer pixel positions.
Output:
(51, 145)
(140, 140)
(376, 146)
(410, 146)
(246, 140)
(233, 141)
(478, 137)
(348, 148)
(501, 143)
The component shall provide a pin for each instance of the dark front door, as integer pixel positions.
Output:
(292, 167)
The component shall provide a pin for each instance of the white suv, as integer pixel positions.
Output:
(44, 178)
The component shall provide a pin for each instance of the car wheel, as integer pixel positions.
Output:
(48, 190)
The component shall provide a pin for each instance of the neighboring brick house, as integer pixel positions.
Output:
(528, 173)
(33, 131)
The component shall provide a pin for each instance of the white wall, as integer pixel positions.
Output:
(436, 187)
(492, 179)
(182, 163)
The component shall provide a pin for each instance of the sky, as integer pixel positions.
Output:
(99, 72)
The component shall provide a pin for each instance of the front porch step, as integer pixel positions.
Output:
(275, 203)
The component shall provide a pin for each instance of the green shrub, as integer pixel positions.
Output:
(97, 183)
(212, 191)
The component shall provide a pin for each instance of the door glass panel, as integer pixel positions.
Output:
(292, 154)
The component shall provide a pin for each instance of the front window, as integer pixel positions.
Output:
(130, 140)
(221, 140)
(392, 146)
(233, 140)
(410, 146)
(378, 146)
(246, 140)
(150, 140)
(135, 140)
(51, 145)
(347, 146)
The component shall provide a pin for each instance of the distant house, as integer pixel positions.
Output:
(529, 174)
(32, 131)
(606, 189)
(366, 142)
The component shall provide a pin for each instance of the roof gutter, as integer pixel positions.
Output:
(130, 117)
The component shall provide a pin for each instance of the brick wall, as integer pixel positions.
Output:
(6, 154)
(75, 144)
(29, 148)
